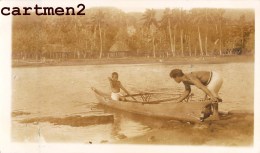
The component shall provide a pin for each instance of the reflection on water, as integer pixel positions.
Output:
(64, 92)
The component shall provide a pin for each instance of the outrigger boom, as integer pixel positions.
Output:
(165, 108)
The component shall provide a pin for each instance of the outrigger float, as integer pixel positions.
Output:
(166, 108)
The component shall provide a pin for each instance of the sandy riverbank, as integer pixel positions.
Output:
(231, 130)
(136, 60)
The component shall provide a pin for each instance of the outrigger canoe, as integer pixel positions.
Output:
(185, 111)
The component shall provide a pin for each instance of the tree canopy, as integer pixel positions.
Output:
(155, 33)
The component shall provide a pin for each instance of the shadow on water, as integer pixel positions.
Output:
(74, 121)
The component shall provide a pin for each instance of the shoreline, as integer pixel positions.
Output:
(213, 133)
(165, 132)
(139, 60)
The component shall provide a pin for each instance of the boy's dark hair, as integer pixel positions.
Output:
(176, 73)
(115, 73)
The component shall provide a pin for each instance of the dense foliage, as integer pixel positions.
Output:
(154, 33)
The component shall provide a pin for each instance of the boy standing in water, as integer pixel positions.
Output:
(116, 85)
(209, 82)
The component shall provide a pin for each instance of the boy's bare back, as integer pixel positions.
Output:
(202, 76)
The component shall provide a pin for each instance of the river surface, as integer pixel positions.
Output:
(43, 95)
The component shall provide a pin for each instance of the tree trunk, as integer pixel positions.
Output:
(182, 42)
(104, 38)
(74, 53)
(174, 41)
(200, 42)
(242, 36)
(220, 47)
(220, 41)
(100, 37)
(190, 45)
(153, 48)
(49, 54)
(170, 33)
(78, 53)
(206, 45)
(86, 50)
(142, 34)
(195, 50)
(160, 48)
(206, 38)
(94, 37)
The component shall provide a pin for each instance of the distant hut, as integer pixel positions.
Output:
(119, 49)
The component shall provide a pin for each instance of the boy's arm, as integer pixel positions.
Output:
(199, 85)
(110, 81)
(121, 86)
(185, 93)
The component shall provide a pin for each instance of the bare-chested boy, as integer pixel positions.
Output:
(116, 85)
(209, 82)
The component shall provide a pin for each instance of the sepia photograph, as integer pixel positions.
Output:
(172, 75)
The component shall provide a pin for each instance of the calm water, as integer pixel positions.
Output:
(65, 91)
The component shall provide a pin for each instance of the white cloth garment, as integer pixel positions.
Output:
(215, 84)
(116, 96)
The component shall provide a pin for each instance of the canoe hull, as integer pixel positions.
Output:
(187, 111)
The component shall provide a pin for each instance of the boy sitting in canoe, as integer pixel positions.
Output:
(116, 85)
(209, 82)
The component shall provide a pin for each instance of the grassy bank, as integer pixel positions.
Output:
(136, 60)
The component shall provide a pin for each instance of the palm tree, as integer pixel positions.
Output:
(207, 18)
(97, 21)
(202, 16)
(184, 19)
(189, 30)
(218, 15)
(196, 21)
(166, 21)
(181, 23)
(150, 23)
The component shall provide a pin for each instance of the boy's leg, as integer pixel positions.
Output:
(121, 97)
(215, 84)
